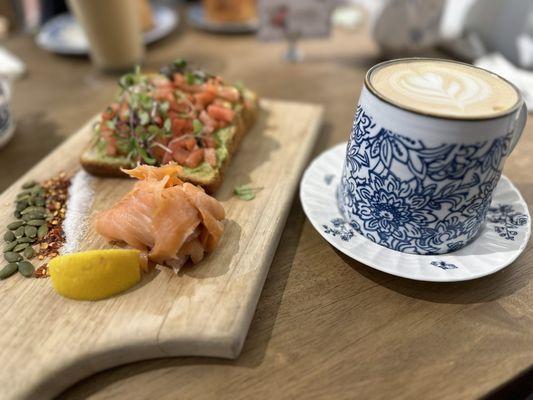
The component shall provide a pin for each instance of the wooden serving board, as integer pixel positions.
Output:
(48, 342)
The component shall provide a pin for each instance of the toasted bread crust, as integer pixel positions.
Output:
(244, 121)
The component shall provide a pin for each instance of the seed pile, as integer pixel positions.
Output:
(56, 193)
(29, 227)
(39, 212)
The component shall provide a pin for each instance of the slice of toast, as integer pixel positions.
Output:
(96, 162)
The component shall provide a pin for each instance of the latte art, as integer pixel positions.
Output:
(444, 88)
(439, 87)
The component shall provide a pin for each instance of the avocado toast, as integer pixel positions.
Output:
(180, 115)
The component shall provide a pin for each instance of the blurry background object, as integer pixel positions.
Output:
(64, 35)
(11, 67)
(7, 126)
(405, 25)
(501, 24)
(347, 17)
(224, 16)
(230, 10)
(113, 28)
(51, 8)
(32, 14)
(293, 20)
(4, 26)
(523, 79)
(9, 14)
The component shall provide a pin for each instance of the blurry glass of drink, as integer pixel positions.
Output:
(114, 31)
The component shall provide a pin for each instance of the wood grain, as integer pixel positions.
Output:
(325, 326)
(205, 310)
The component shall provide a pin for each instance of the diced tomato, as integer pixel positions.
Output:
(157, 151)
(110, 140)
(220, 113)
(189, 143)
(158, 120)
(182, 142)
(179, 81)
(203, 99)
(179, 107)
(168, 157)
(229, 93)
(209, 141)
(164, 91)
(208, 130)
(195, 158)
(178, 126)
(210, 156)
(180, 155)
(124, 112)
(206, 119)
(110, 112)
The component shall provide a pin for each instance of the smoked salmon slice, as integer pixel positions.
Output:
(171, 221)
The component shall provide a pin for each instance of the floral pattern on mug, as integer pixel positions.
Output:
(436, 204)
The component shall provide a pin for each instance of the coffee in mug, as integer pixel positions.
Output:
(443, 88)
(426, 151)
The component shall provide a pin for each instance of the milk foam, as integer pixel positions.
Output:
(444, 88)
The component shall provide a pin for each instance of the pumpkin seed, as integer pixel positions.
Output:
(26, 269)
(25, 239)
(19, 247)
(21, 205)
(10, 246)
(15, 225)
(11, 256)
(29, 253)
(9, 236)
(37, 192)
(17, 214)
(24, 193)
(33, 215)
(42, 231)
(36, 222)
(30, 231)
(8, 270)
(19, 232)
(39, 202)
(29, 185)
(33, 209)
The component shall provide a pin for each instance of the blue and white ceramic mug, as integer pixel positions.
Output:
(6, 123)
(426, 151)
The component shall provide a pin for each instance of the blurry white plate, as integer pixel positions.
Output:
(501, 240)
(195, 16)
(62, 34)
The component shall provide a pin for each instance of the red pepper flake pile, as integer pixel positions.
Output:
(56, 194)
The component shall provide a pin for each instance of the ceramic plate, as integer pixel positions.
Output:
(195, 15)
(501, 240)
(62, 34)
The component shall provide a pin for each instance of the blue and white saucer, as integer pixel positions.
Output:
(63, 35)
(501, 240)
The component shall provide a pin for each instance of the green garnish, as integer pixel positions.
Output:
(190, 78)
(167, 125)
(164, 106)
(179, 64)
(144, 118)
(197, 127)
(130, 79)
(245, 192)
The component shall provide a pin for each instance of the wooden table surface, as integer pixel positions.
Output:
(326, 326)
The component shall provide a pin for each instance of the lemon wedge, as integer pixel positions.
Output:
(95, 274)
